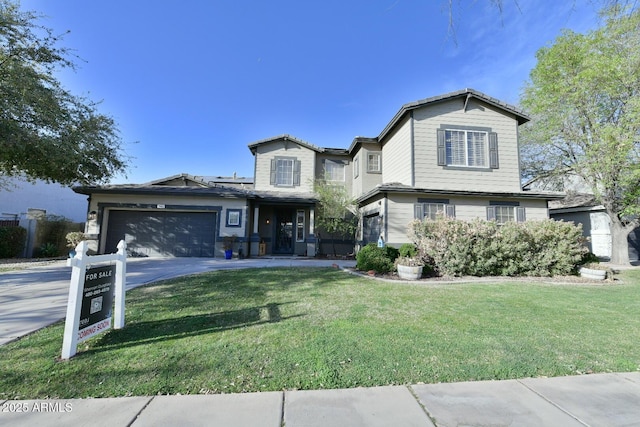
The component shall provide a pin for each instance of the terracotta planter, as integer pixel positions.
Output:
(409, 273)
(592, 273)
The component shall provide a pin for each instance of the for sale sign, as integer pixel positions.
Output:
(97, 301)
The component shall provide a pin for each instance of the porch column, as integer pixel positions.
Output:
(256, 216)
(311, 236)
(255, 237)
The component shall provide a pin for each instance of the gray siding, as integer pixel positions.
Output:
(400, 211)
(348, 168)
(365, 181)
(267, 152)
(428, 174)
(397, 155)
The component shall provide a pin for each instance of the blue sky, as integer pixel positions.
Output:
(191, 83)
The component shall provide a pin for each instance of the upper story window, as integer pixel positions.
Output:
(334, 170)
(374, 162)
(356, 167)
(468, 148)
(285, 172)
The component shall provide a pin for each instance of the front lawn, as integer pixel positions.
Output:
(275, 329)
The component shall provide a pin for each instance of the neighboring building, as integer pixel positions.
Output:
(596, 225)
(456, 153)
(54, 199)
(580, 207)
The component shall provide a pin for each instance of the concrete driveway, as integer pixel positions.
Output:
(35, 297)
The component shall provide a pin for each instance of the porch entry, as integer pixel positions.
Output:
(283, 233)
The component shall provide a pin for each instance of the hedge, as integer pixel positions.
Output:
(12, 241)
(484, 248)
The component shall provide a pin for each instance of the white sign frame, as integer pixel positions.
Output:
(79, 264)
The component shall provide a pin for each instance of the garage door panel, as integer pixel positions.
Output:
(159, 234)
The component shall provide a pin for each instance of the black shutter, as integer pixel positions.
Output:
(493, 150)
(442, 152)
(450, 211)
(418, 211)
(491, 213)
(296, 172)
(272, 179)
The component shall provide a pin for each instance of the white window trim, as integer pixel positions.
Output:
(378, 167)
(336, 163)
(279, 175)
(466, 148)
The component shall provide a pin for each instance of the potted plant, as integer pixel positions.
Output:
(593, 271)
(409, 268)
(227, 243)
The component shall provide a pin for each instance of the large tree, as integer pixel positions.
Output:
(584, 96)
(45, 131)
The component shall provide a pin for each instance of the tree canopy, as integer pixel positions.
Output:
(584, 96)
(45, 131)
(336, 209)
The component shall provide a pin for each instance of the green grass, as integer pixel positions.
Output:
(275, 329)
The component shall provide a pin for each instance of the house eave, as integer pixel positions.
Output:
(400, 189)
(218, 192)
(520, 115)
(284, 137)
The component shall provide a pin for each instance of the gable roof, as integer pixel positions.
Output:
(286, 137)
(519, 114)
(201, 180)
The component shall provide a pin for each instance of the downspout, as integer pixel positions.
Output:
(386, 217)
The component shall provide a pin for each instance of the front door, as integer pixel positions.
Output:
(284, 232)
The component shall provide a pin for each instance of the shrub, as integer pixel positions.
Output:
(51, 235)
(589, 258)
(48, 250)
(391, 253)
(12, 241)
(483, 248)
(408, 250)
(371, 257)
(74, 238)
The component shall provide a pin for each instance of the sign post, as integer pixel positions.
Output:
(92, 292)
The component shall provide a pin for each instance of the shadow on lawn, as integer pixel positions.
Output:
(188, 326)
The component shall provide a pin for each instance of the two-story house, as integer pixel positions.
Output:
(456, 153)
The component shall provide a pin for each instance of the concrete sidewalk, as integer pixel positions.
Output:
(588, 400)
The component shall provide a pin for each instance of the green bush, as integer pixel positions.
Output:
(408, 250)
(12, 241)
(589, 258)
(484, 248)
(391, 253)
(51, 235)
(371, 257)
(48, 250)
